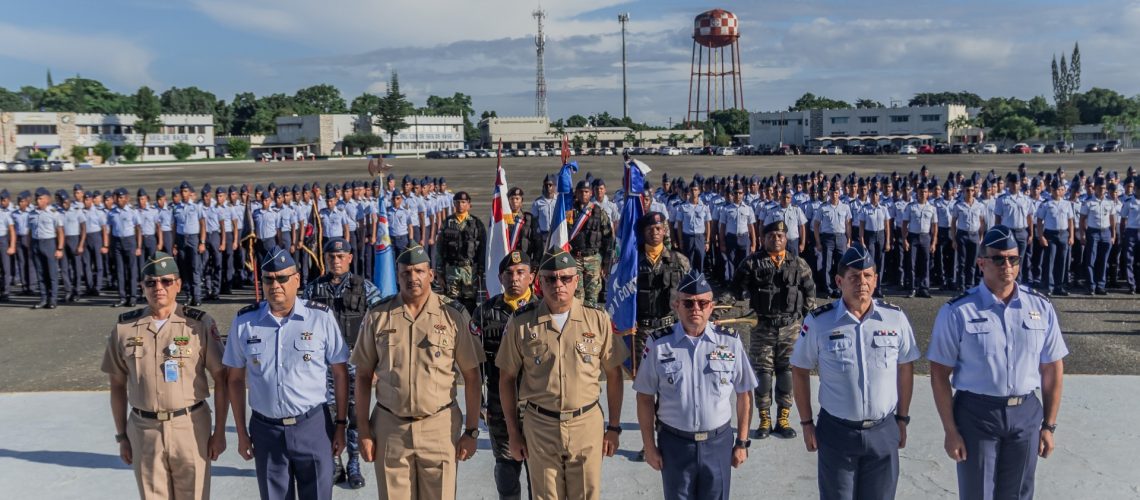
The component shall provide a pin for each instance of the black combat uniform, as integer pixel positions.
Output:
(460, 252)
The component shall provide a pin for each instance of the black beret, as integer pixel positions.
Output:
(513, 258)
(776, 226)
(338, 245)
(515, 191)
(650, 219)
(462, 196)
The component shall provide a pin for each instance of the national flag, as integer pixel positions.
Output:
(497, 245)
(384, 268)
(621, 286)
(560, 233)
(565, 150)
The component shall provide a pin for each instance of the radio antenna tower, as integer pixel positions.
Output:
(540, 73)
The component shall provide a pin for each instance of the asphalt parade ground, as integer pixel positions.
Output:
(55, 427)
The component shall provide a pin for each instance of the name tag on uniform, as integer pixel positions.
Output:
(835, 336)
(885, 333)
(978, 320)
(134, 342)
(170, 370)
(253, 340)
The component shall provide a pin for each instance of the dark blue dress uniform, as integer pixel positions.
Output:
(996, 350)
(1098, 219)
(1130, 238)
(695, 380)
(188, 220)
(920, 220)
(285, 360)
(968, 224)
(124, 223)
(7, 235)
(1057, 220)
(1013, 210)
(833, 223)
(858, 362)
(45, 227)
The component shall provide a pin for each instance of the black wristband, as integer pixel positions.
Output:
(905, 420)
(807, 422)
(613, 428)
(119, 438)
(342, 421)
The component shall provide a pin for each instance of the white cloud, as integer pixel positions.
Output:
(106, 57)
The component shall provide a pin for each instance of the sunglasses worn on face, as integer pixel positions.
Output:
(1000, 260)
(282, 279)
(696, 303)
(565, 279)
(166, 282)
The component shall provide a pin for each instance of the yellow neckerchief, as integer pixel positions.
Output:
(778, 257)
(461, 217)
(516, 302)
(509, 218)
(653, 253)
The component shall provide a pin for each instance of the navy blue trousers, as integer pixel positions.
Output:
(1097, 247)
(294, 461)
(1056, 260)
(828, 260)
(919, 268)
(190, 265)
(967, 274)
(126, 266)
(94, 262)
(212, 263)
(47, 269)
(693, 246)
(5, 265)
(856, 463)
(735, 250)
(696, 470)
(1131, 245)
(876, 243)
(1001, 446)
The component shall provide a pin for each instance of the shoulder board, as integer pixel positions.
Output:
(132, 315)
(822, 309)
(888, 305)
(661, 333)
(1034, 293)
(528, 307)
(193, 313)
(725, 331)
(449, 302)
(957, 299)
(594, 307)
(385, 300)
(248, 309)
(312, 304)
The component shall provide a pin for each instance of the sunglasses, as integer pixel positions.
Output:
(281, 279)
(564, 279)
(1000, 260)
(696, 303)
(166, 282)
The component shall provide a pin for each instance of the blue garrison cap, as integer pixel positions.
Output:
(277, 259)
(23, 195)
(306, 187)
(328, 188)
(582, 184)
(999, 237)
(598, 182)
(185, 185)
(338, 245)
(406, 179)
(77, 187)
(441, 180)
(244, 189)
(160, 193)
(140, 192)
(694, 283)
(122, 191)
(232, 189)
(220, 190)
(207, 188)
(4, 194)
(272, 186)
(390, 177)
(296, 188)
(415, 182)
(61, 194)
(42, 191)
(857, 257)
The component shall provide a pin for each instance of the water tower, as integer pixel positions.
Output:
(713, 74)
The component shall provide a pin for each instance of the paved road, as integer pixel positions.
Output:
(59, 446)
(61, 349)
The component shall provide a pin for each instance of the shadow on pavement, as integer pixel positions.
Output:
(88, 460)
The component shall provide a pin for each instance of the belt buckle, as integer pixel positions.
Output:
(565, 416)
(1014, 401)
(162, 415)
(700, 436)
(867, 424)
(289, 421)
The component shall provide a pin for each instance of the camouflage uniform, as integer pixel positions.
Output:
(593, 248)
(654, 284)
(781, 295)
(460, 250)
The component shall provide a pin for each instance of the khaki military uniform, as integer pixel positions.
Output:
(170, 454)
(416, 423)
(561, 372)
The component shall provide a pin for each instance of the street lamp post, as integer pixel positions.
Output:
(623, 18)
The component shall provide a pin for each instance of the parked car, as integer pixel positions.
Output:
(957, 149)
(39, 165)
(18, 166)
(1020, 148)
(62, 166)
(3, 166)
(1063, 147)
(990, 149)
(1037, 148)
(1093, 148)
(925, 149)
(834, 150)
(1111, 147)
(1049, 148)
(908, 149)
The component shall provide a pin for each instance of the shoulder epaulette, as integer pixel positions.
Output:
(594, 306)
(1034, 293)
(720, 330)
(958, 298)
(385, 300)
(248, 309)
(132, 315)
(661, 333)
(822, 309)
(888, 305)
(312, 304)
(193, 313)
(452, 303)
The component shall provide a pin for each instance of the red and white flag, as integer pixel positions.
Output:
(497, 243)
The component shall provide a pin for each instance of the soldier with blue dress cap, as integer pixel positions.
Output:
(690, 373)
(995, 345)
(864, 349)
(282, 348)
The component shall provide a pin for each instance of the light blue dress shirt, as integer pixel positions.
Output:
(267, 222)
(693, 217)
(543, 209)
(919, 217)
(737, 218)
(42, 224)
(969, 216)
(833, 218)
(123, 221)
(187, 219)
(792, 216)
(73, 220)
(874, 217)
(1014, 210)
(1056, 215)
(333, 222)
(1099, 212)
(1131, 211)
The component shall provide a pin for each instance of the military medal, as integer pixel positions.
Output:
(586, 358)
(308, 357)
(588, 335)
(307, 336)
(670, 379)
(182, 340)
(186, 351)
(172, 349)
(538, 360)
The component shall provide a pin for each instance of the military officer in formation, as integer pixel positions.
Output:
(157, 359)
(488, 322)
(864, 349)
(990, 350)
(460, 253)
(690, 374)
(411, 344)
(591, 243)
(545, 344)
(45, 229)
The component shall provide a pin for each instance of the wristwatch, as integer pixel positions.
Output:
(905, 420)
(343, 421)
(743, 443)
(120, 437)
(614, 428)
(1049, 427)
(471, 432)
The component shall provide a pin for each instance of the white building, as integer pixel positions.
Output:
(919, 124)
(534, 132)
(22, 133)
(323, 135)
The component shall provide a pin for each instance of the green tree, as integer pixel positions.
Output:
(576, 121)
(13, 101)
(591, 139)
(104, 150)
(731, 121)
(394, 108)
(238, 148)
(630, 139)
(364, 103)
(361, 141)
(147, 109)
(130, 152)
(577, 141)
(182, 151)
(968, 99)
(79, 153)
(188, 101)
(319, 99)
(458, 104)
(489, 114)
(811, 101)
(1066, 84)
(1015, 128)
(865, 103)
(244, 111)
(559, 127)
(82, 95)
(223, 118)
(1097, 103)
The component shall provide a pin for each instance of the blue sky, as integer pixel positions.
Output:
(884, 50)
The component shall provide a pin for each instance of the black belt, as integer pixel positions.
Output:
(854, 424)
(584, 253)
(776, 321)
(694, 436)
(167, 415)
(562, 416)
(414, 419)
(657, 323)
(998, 400)
(294, 420)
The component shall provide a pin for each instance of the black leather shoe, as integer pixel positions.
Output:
(1101, 291)
(131, 303)
(50, 306)
(121, 303)
(911, 294)
(640, 457)
(40, 305)
(1061, 293)
(923, 294)
(195, 303)
(339, 475)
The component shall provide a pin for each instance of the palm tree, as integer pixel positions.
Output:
(630, 139)
(1108, 126)
(959, 123)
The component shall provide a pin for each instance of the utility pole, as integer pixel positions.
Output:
(623, 18)
(540, 71)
